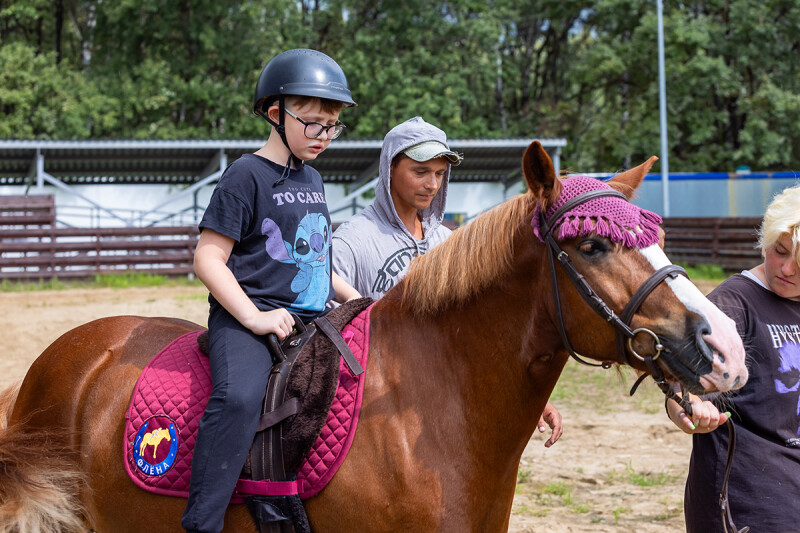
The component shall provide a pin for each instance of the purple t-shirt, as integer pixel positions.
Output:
(282, 234)
(764, 485)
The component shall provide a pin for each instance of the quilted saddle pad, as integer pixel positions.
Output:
(170, 397)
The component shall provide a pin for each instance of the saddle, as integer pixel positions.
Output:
(267, 459)
(308, 446)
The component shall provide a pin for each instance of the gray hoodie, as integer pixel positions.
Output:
(372, 250)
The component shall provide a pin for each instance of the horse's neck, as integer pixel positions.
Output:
(493, 354)
(457, 394)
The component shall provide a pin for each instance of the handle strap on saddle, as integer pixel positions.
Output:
(288, 408)
(325, 326)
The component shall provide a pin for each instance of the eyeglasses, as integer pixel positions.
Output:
(314, 129)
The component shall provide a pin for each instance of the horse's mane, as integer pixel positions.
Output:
(7, 399)
(467, 262)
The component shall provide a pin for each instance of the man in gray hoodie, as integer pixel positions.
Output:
(372, 250)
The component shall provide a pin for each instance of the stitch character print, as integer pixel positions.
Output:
(309, 251)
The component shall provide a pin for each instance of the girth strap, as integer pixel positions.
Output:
(266, 453)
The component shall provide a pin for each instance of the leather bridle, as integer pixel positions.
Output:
(622, 323)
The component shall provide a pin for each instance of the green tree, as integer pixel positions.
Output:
(40, 98)
(584, 70)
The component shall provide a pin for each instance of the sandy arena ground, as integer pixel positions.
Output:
(619, 470)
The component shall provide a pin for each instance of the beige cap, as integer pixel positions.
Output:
(428, 150)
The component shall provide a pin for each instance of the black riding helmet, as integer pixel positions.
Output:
(301, 72)
(298, 72)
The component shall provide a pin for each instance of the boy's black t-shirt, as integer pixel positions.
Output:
(282, 234)
(764, 485)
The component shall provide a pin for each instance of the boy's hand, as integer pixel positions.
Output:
(277, 321)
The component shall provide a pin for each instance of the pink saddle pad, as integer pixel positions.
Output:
(171, 395)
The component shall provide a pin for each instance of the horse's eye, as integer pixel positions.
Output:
(592, 247)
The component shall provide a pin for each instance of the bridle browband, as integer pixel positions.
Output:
(622, 323)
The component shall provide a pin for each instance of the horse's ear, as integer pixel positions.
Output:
(629, 181)
(540, 174)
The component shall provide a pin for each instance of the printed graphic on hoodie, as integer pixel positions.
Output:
(393, 267)
(309, 251)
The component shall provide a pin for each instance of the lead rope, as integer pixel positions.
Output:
(728, 524)
(658, 377)
(724, 505)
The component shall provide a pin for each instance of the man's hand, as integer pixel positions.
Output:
(550, 417)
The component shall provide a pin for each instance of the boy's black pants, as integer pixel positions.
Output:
(240, 366)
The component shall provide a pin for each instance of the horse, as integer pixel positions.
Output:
(464, 353)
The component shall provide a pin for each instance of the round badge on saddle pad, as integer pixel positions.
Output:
(156, 445)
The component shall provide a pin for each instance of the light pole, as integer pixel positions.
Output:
(662, 109)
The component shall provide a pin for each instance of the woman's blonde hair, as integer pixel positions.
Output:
(782, 216)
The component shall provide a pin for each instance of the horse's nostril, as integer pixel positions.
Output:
(736, 381)
(706, 350)
(702, 329)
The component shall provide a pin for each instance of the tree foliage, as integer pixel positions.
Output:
(584, 70)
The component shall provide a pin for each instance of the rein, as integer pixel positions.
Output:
(622, 324)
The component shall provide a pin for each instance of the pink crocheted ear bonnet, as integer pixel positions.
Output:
(608, 216)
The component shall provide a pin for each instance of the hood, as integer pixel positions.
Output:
(403, 136)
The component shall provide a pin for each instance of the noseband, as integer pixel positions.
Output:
(622, 323)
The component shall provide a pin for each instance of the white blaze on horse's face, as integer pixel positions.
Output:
(728, 370)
